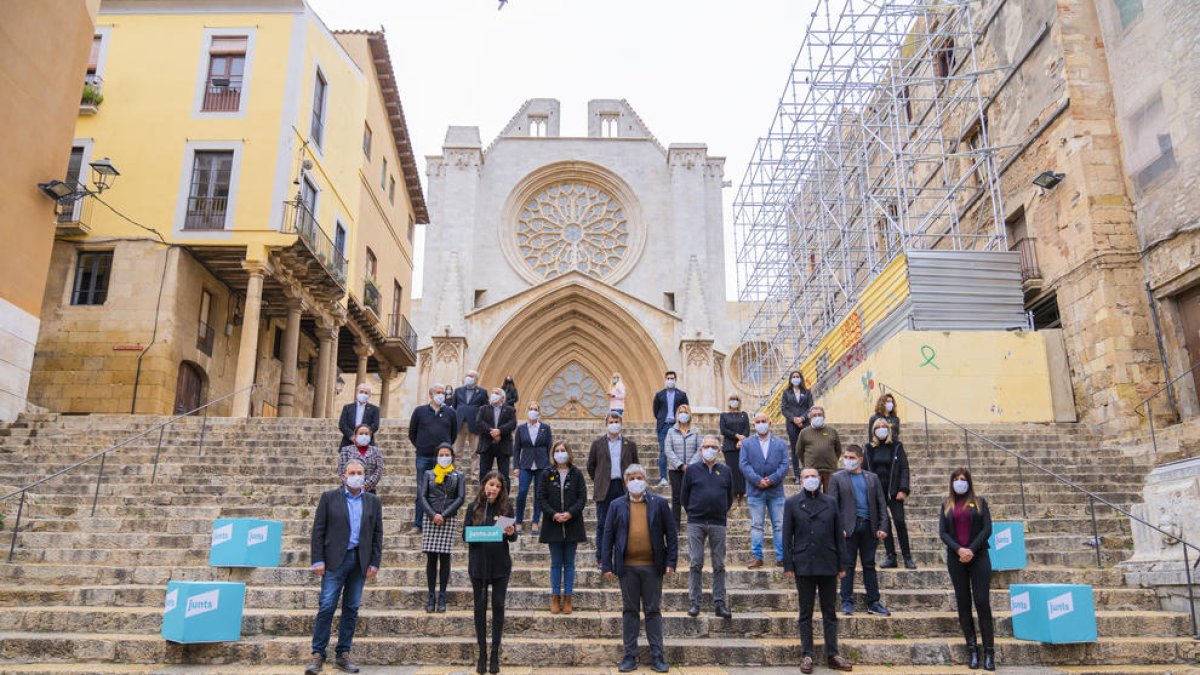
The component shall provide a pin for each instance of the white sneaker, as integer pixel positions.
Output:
(663, 483)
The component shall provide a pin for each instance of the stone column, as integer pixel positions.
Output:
(291, 348)
(324, 353)
(331, 385)
(385, 386)
(364, 352)
(248, 347)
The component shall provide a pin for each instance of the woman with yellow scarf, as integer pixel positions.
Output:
(440, 492)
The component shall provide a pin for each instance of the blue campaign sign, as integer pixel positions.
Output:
(476, 535)
(1007, 546)
(1053, 613)
(203, 611)
(246, 542)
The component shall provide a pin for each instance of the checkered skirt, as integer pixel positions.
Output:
(440, 538)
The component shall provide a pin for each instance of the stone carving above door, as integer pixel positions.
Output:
(572, 225)
(574, 393)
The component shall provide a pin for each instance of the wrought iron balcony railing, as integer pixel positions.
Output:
(372, 297)
(399, 327)
(1027, 248)
(299, 219)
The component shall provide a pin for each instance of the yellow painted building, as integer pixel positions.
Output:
(260, 230)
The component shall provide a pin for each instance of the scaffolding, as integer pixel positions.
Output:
(879, 146)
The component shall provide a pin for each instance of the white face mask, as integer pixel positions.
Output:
(445, 461)
(734, 404)
(670, 384)
(363, 439)
(684, 417)
(495, 398)
(850, 464)
(889, 406)
(961, 487)
(763, 428)
(796, 381)
(812, 483)
(355, 482)
(818, 422)
(636, 486)
(469, 380)
(616, 380)
(363, 397)
(614, 428)
(881, 433)
(439, 399)
(561, 457)
(533, 415)
(709, 454)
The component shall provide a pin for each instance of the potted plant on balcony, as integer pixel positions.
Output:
(90, 100)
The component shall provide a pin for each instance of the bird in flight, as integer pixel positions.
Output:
(502, 4)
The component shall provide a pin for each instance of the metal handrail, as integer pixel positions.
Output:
(1166, 387)
(1092, 496)
(103, 455)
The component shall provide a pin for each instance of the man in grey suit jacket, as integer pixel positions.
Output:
(863, 520)
(347, 546)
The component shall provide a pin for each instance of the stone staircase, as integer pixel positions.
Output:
(84, 594)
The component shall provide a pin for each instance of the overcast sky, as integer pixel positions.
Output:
(706, 71)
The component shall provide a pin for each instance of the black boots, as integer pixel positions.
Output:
(481, 667)
(989, 659)
(441, 601)
(495, 665)
(429, 604)
(972, 654)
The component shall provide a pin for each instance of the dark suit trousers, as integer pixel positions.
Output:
(676, 478)
(808, 588)
(641, 593)
(486, 459)
(793, 434)
(861, 544)
(616, 488)
(897, 510)
(972, 581)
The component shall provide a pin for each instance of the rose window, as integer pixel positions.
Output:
(572, 226)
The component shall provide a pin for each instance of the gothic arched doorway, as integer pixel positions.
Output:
(562, 349)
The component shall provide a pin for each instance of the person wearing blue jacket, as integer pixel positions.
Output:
(640, 546)
(764, 463)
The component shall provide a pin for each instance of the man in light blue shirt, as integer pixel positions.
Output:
(764, 462)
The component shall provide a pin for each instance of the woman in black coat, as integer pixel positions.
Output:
(887, 459)
(735, 427)
(563, 495)
(440, 493)
(489, 564)
(965, 525)
(794, 406)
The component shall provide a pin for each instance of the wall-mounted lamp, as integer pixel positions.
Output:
(104, 174)
(1048, 180)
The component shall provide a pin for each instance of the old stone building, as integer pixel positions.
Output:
(560, 260)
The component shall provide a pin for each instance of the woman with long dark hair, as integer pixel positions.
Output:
(489, 564)
(563, 496)
(885, 409)
(794, 406)
(965, 525)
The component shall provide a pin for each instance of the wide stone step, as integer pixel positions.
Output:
(134, 648)
(91, 668)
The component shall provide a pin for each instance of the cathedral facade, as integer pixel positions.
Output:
(560, 260)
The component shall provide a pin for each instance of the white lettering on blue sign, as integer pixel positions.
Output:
(203, 603)
(1060, 606)
(256, 535)
(1020, 603)
(1003, 538)
(222, 534)
(172, 601)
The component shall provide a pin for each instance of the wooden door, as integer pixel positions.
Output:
(188, 388)
(1189, 311)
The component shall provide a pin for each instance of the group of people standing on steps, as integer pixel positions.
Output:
(850, 496)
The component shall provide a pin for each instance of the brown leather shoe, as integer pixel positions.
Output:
(315, 666)
(566, 604)
(344, 663)
(839, 663)
(806, 666)
(757, 563)
(554, 604)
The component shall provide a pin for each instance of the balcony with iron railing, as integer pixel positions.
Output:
(1031, 272)
(92, 96)
(205, 339)
(398, 328)
(299, 219)
(371, 296)
(222, 94)
(205, 213)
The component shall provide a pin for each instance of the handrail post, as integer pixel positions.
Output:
(99, 477)
(158, 451)
(1150, 419)
(203, 428)
(16, 527)
(1095, 529)
(1021, 482)
(1187, 569)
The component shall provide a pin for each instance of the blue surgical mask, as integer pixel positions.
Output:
(469, 380)
(961, 487)
(355, 482)
(363, 439)
(636, 486)
(670, 384)
(812, 484)
(445, 461)
(684, 418)
(881, 433)
(439, 399)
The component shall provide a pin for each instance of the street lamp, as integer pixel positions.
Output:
(1048, 180)
(104, 174)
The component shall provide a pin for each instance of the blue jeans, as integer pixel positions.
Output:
(562, 568)
(528, 477)
(423, 464)
(758, 507)
(347, 581)
(663, 428)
